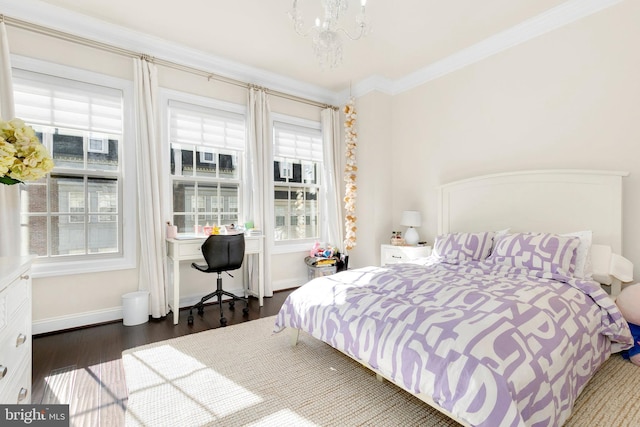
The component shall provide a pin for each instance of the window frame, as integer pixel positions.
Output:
(295, 245)
(168, 95)
(126, 257)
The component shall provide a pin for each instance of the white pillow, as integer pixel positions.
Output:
(584, 267)
(499, 234)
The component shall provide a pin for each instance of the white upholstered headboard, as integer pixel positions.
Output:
(554, 201)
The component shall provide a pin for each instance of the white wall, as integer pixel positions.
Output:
(568, 99)
(374, 206)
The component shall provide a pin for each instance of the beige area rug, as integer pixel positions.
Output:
(245, 375)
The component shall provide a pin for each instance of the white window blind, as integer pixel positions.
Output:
(297, 142)
(58, 102)
(197, 125)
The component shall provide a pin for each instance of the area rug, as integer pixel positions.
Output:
(244, 375)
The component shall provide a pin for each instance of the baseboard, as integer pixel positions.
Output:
(78, 320)
(288, 284)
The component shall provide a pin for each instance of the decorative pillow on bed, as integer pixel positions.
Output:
(498, 235)
(537, 251)
(464, 246)
(584, 267)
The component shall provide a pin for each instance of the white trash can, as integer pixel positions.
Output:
(135, 308)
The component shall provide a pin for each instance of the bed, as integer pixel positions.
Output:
(503, 323)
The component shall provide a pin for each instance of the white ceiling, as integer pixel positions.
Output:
(406, 35)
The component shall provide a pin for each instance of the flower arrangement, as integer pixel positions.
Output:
(22, 155)
(350, 169)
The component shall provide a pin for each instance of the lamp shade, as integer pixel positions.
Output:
(411, 219)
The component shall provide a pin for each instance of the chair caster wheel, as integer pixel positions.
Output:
(190, 320)
(245, 310)
(223, 321)
(201, 311)
(232, 305)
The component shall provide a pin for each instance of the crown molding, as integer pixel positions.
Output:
(77, 24)
(370, 84)
(50, 16)
(550, 20)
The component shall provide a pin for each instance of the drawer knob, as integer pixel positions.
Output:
(396, 256)
(22, 338)
(3, 371)
(24, 277)
(22, 394)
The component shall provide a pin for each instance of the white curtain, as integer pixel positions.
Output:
(258, 191)
(10, 241)
(149, 162)
(332, 172)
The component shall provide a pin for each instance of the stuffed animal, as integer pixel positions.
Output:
(628, 302)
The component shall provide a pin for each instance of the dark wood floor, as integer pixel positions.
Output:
(83, 367)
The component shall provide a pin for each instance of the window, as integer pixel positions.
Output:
(75, 215)
(207, 157)
(98, 145)
(297, 162)
(206, 152)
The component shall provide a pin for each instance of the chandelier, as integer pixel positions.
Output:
(327, 43)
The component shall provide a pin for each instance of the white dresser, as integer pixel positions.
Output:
(391, 254)
(15, 330)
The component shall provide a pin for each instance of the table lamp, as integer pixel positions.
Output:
(411, 219)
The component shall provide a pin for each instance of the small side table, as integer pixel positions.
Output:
(391, 254)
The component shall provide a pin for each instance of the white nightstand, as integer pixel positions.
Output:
(390, 254)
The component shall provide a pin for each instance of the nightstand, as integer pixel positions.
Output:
(390, 254)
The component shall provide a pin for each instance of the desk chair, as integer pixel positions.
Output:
(222, 254)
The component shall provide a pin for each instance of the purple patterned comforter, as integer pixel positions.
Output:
(493, 345)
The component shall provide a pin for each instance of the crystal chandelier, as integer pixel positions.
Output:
(327, 43)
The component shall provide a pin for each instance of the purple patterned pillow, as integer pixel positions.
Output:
(464, 246)
(537, 251)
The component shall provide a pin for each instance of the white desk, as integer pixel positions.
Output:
(189, 250)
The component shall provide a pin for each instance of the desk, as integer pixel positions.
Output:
(189, 250)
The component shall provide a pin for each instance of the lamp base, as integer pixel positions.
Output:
(411, 236)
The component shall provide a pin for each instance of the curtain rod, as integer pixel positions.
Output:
(40, 29)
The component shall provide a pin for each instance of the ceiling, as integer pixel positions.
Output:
(406, 36)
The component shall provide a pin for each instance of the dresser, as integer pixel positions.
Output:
(15, 330)
(391, 254)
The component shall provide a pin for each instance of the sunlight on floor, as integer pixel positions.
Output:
(284, 417)
(59, 385)
(167, 379)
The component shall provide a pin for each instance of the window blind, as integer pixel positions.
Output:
(57, 102)
(297, 142)
(193, 124)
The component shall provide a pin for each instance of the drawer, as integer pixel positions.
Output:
(189, 250)
(12, 298)
(17, 294)
(18, 390)
(394, 254)
(15, 348)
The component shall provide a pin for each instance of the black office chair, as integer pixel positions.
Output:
(222, 253)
